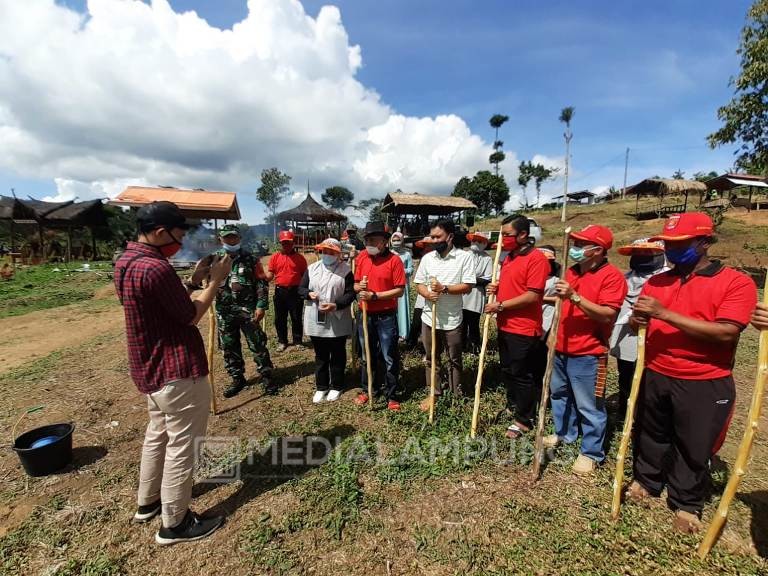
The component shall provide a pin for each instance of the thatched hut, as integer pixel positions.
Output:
(670, 196)
(411, 212)
(311, 221)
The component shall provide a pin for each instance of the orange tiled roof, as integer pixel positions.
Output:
(194, 203)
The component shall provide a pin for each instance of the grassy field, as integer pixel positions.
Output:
(385, 493)
(51, 285)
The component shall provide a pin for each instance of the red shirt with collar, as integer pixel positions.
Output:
(579, 335)
(163, 344)
(715, 293)
(524, 272)
(287, 268)
(384, 272)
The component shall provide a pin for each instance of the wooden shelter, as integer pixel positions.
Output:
(727, 182)
(667, 193)
(411, 212)
(194, 204)
(311, 221)
(576, 197)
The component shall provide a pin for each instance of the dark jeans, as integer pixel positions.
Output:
(626, 372)
(415, 331)
(382, 338)
(680, 424)
(288, 302)
(470, 330)
(518, 355)
(330, 360)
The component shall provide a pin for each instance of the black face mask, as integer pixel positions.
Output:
(644, 264)
(440, 247)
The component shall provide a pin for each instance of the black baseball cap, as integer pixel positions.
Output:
(162, 214)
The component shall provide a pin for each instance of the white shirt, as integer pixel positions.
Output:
(483, 266)
(456, 268)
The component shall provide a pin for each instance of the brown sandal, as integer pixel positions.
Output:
(637, 493)
(686, 522)
(514, 431)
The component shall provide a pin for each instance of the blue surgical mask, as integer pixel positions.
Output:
(329, 259)
(232, 247)
(683, 256)
(576, 254)
(476, 247)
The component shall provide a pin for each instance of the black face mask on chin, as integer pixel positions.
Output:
(644, 264)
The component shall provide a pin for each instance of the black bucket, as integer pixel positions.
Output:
(53, 452)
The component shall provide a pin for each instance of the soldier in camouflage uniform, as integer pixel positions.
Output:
(241, 303)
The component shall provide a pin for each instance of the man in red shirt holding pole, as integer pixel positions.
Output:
(520, 291)
(379, 282)
(695, 313)
(287, 268)
(592, 293)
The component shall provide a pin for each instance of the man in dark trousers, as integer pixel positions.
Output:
(241, 303)
(286, 268)
(168, 364)
(694, 314)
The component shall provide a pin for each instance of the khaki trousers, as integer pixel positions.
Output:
(178, 416)
(448, 341)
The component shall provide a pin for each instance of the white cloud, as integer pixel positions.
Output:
(137, 93)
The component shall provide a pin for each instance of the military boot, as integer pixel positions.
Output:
(233, 389)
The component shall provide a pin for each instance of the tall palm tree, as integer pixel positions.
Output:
(496, 122)
(566, 115)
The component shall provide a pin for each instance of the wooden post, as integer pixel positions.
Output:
(484, 345)
(433, 365)
(742, 456)
(538, 454)
(368, 369)
(211, 348)
(355, 359)
(626, 433)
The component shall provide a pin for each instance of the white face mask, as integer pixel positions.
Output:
(397, 243)
(372, 250)
(477, 247)
(232, 247)
(329, 259)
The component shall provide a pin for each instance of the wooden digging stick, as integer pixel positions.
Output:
(484, 345)
(354, 326)
(433, 362)
(626, 433)
(538, 454)
(211, 347)
(368, 369)
(742, 457)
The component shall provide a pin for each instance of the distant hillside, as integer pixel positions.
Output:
(742, 237)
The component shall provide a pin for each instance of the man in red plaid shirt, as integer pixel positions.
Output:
(167, 361)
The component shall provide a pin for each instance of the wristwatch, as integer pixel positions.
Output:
(375, 296)
(444, 290)
(501, 306)
(575, 298)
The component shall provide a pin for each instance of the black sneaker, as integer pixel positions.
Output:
(146, 513)
(270, 387)
(192, 528)
(234, 389)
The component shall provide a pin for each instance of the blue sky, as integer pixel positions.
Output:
(645, 75)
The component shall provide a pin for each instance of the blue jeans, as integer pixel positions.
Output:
(574, 404)
(382, 338)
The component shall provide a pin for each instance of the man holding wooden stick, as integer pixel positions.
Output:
(379, 282)
(444, 276)
(519, 290)
(694, 315)
(591, 293)
(168, 364)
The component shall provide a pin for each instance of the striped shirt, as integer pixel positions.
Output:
(456, 267)
(163, 344)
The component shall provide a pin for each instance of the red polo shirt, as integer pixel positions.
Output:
(715, 293)
(579, 335)
(385, 272)
(287, 268)
(524, 272)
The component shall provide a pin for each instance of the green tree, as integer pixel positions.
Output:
(745, 117)
(540, 175)
(704, 176)
(486, 190)
(373, 206)
(498, 156)
(274, 187)
(566, 115)
(524, 177)
(337, 197)
(678, 175)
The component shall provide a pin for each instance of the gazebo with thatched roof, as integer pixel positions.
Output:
(667, 193)
(310, 220)
(411, 212)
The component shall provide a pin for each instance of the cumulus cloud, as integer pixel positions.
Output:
(131, 92)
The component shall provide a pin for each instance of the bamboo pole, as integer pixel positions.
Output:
(211, 347)
(433, 363)
(538, 454)
(742, 457)
(637, 377)
(484, 345)
(355, 360)
(368, 369)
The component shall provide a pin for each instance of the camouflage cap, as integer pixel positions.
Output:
(228, 230)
